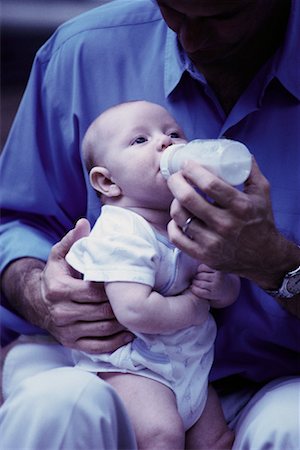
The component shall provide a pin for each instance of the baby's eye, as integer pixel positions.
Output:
(175, 135)
(139, 140)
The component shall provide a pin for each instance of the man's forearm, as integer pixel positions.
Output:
(22, 288)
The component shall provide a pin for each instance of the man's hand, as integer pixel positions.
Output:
(54, 297)
(234, 231)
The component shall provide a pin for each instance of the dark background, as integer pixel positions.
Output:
(25, 26)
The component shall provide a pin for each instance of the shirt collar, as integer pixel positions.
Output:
(175, 63)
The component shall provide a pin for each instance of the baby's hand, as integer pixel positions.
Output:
(219, 288)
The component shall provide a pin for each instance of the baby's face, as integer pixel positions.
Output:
(136, 134)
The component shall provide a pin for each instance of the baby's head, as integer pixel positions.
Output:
(122, 147)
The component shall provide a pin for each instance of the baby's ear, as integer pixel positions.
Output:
(102, 182)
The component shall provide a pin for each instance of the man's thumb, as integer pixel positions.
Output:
(81, 229)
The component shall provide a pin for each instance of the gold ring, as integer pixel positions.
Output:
(186, 224)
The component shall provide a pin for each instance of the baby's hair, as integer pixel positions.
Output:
(91, 139)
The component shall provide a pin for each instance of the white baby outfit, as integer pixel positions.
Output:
(122, 246)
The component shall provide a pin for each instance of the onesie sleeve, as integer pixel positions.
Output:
(121, 253)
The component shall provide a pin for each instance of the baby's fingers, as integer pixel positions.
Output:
(201, 288)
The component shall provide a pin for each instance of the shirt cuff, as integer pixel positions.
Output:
(22, 241)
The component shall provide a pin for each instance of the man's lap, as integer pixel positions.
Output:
(265, 416)
(258, 414)
(50, 404)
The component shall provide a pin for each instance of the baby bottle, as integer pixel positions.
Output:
(228, 159)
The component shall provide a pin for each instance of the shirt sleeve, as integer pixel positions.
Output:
(41, 175)
(39, 181)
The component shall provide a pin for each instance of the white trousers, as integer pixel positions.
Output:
(50, 405)
(271, 419)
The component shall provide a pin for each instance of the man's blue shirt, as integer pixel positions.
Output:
(124, 51)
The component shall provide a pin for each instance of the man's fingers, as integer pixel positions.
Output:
(64, 314)
(98, 329)
(80, 291)
(256, 180)
(209, 184)
(103, 344)
(181, 241)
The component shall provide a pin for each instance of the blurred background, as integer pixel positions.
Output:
(25, 26)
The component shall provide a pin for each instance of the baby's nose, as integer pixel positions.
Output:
(165, 142)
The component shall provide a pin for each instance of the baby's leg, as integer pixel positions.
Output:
(152, 408)
(211, 430)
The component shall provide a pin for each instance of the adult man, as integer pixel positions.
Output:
(238, 77)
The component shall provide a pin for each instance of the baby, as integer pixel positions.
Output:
(158, 292)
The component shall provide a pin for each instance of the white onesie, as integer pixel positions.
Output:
(122, 246)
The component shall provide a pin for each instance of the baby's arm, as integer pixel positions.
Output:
(143, 310)
(219, 288)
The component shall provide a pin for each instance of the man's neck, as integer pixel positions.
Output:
(227, 85)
